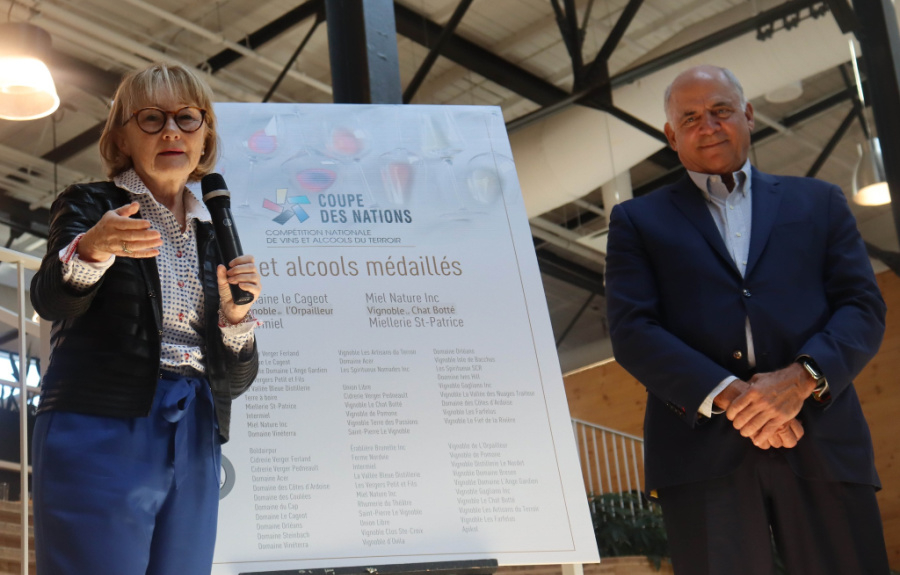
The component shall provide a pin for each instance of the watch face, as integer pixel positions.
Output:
(812, 370)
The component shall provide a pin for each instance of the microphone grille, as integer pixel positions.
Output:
(213, 186)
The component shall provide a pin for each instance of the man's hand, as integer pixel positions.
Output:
(787, 435)
(733, 391)
(772, 400)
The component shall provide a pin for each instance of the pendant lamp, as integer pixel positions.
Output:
(869, 182)
(27, 91)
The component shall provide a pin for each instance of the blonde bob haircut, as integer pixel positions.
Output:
(146, 88)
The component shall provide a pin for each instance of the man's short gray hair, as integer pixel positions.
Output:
(732, 79)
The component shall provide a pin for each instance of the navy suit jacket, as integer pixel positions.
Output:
(677, 308)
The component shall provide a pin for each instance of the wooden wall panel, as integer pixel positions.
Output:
(879, 394)
(607, 395)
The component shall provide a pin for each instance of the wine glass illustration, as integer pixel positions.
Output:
(308, 173)
(398, 168)
(348, 139)
(261, 144)
(441, 141)
(487, 175)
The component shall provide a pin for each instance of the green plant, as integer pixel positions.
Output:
(624, 524)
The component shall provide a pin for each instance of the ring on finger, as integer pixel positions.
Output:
(125, 247)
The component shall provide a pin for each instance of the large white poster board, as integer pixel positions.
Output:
(409, 406)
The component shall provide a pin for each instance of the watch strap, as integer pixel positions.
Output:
(820, 392)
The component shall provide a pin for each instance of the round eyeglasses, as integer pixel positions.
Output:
(153, 120)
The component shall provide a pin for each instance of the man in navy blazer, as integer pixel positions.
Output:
(746, 304)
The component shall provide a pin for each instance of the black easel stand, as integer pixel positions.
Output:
(472, 567)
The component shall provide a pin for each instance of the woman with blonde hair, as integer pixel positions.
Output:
(148, 347)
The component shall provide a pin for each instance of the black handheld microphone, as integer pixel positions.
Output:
(218, 201)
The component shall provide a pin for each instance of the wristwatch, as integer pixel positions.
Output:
(820, 393)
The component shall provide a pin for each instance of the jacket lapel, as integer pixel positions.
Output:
(689, 200)
(766, 201)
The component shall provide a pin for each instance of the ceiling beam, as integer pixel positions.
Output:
(69, 70)
(435, 51)
(617, 33)
(833, 142)
(717, 38)
(469, 55)
(588, 96)
(75, 145)
(17, 215)
(574, 320)
(632, 121)
(286, 69)
(363, 53)
(844, 15)
(806, 113)
(266, 34)
(573, 39)
(569, 272)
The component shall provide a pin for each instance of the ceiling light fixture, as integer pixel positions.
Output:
(869, 181)
(27, 91)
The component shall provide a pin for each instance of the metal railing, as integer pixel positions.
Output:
(26, 327)
(612, 462)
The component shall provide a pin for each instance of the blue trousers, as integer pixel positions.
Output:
(129, 496)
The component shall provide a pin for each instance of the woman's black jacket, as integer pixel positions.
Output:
(106, 341)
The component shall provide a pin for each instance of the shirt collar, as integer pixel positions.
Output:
(741, 180)
(193, 208)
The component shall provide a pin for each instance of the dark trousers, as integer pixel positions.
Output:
(725, 526)
(129, 496)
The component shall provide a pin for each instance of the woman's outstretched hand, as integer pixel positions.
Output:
(118, 234)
